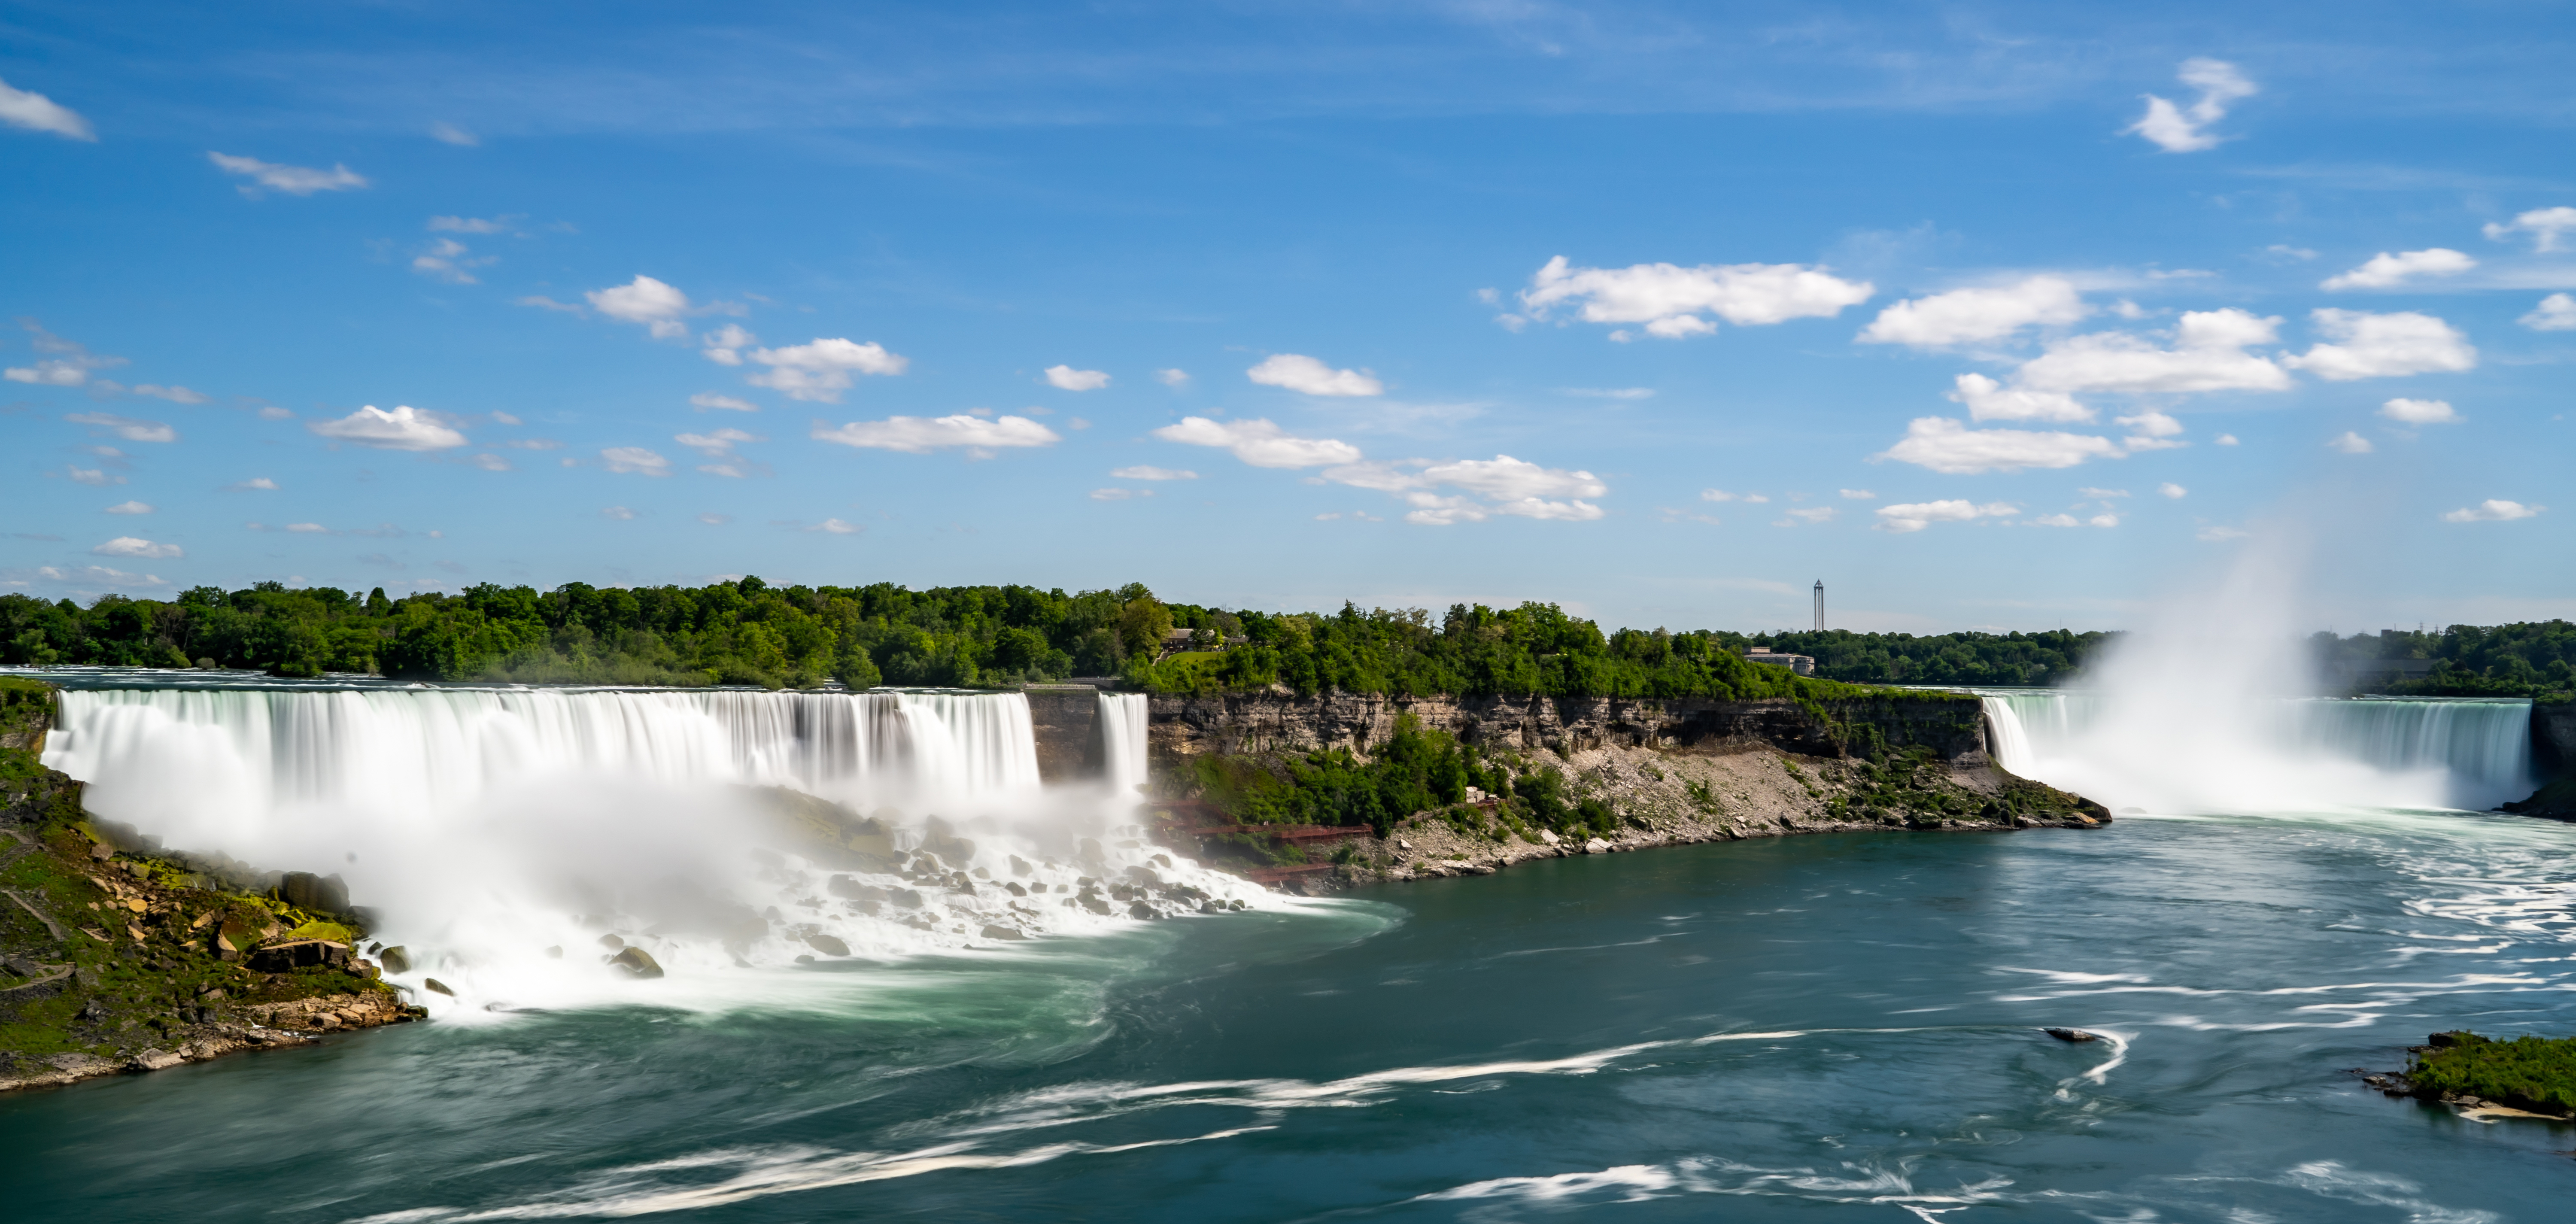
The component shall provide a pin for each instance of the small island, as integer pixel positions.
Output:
(2526, 1075)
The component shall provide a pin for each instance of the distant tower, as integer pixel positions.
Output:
(1820, 605)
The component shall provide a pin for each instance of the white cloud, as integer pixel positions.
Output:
(129, 546)
(35, 112)
(1616, 393)
(715, 445)
(1308, 376)
(2090, 491)
(1944, 445)
(1507, 479)
(1988, 400)
(2493, 510)
(256, 482)
(821, 369)
(2383, 346)
(130, 507)
(542, 302)
(705, 400)
(1809, 516)
(68, 367)
(1066, 378)
(2284, 250)
(1860, 495)
(491, 463)
(506, 419)
(2557, 312)
(1669, 299)
(126, 427)
(293, 180)
(1260, 443)
(174, 394)
(275, 413)
(2150, 430)
(1915, 516)
(833, 526)
(2051, 520)
(2181, 129)
(620, 513)
(449, 133)
(2421, 412)
(2384, 270)
(308, 529)
(2545, 225)
(1119, 494)
(2172, 490)
(1721, 495)
(634, 460)
(921, 435)
(2208, 354)
(1964, 316)
(445, 260)
(99, 575)
(2224, 440)
(713, 519)
(658, 306)
(401, 429)
(2350, 443)
(2216, 534)
(724, 345)
(1143, 472)
(469, 225)
(1172, 378)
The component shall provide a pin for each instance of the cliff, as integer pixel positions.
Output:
(2553, 760)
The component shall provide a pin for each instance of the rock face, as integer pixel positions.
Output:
(1184, 726)
(1066, 719)
(319, 894)
(638, 962)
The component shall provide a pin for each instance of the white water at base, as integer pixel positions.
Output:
(1122, 739)
(2277, 754)
(486, 827)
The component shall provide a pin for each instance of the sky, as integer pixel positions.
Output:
(1986, 316)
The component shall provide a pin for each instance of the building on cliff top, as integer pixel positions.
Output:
(1804, 665)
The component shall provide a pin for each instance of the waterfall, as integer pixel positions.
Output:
(504, 834)
(2278, 753)
(1122, 740)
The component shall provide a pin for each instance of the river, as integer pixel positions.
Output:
(1840, 1027)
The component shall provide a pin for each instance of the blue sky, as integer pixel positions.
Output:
(1987, 316)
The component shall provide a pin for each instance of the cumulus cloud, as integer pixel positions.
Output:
(261, 483)
(921, 435)
(1965, 316)
(2062, 520)
(2548, 227)
(634, 460)
(821, 369)
(491, 463)
(833, 526)
(130, 546)
(708, 400)
(620, 513)
(2350, 443)
(1434, 510)
(2150, 430)
(35, 112)
(449, 133)
(1145, 472)
(2493, 510)
(659, 307)
(1669, 299)
(1988, 400)
(2208, 354)
(1721, 495)
(126, 427)
(2172, 490)
(2557, 312)
(1066, 378)
(1119, 494)
(1260, 443)
(2370, 345)
(1809, 516)
(130, 507)
(2184, 129)
(448, 260)
(724, 345)
(470, 225)
(1172, 378)
(719, 447)
(1915, 516)
(403, 428)
(2384, 270)
(69, 364)
(99, 576)
(1309, 376)
(1509, 486)
(2421, 412)
(293, 180)
(1945, 445)
(1504, 478)
(174, 394)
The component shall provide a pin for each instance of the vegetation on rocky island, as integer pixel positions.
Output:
(2534, 1074)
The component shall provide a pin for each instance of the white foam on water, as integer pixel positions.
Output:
(502, 835)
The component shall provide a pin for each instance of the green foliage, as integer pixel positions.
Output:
(2533, 1073)
(2527, 659)
(2047, 657)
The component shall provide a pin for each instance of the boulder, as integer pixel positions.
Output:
(439, 986)
(300, 954)
(1596, 846)
(611, 942)
(827, 945)
(1549, 836)
(156, 1060)
(2074, 1035)
(1001, 932)
(307, 891)
(396, 959)
(637, 962)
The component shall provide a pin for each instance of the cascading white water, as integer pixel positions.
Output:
(1122, 739)
(2282, 754)
(488, 826)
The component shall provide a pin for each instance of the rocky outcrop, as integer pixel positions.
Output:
(1066, 720)
(2553, 760)
(1279, 721)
